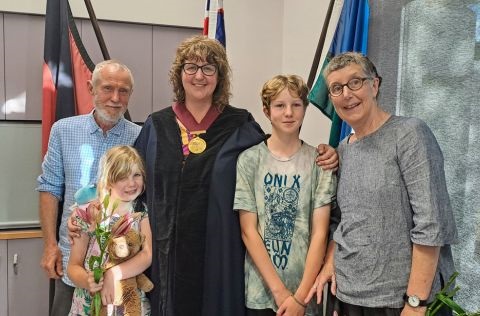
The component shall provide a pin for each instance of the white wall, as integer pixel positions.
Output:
(254, 46)
(302, 25)
(264, 38)
(168, 12)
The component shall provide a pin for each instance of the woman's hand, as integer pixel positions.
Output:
(413, 311)
(327, 157)
(93, 286)
(327, 274)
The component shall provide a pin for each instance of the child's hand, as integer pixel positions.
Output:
(281, 296)
(93, 286)
(108, 291)
(291, 307)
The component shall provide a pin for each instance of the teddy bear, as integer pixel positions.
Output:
(127, 297)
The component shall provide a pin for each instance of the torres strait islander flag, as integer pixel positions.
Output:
(66, 69)
(350, 22)
(214, 23)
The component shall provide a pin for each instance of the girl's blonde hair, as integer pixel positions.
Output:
(117, 164)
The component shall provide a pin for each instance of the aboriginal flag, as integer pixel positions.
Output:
(66, 69)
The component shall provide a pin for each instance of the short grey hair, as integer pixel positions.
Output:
(110, 62)
(343, 60)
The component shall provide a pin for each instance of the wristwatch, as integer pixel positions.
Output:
(414, 301)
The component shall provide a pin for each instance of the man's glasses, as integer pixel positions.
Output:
(191, 69)
(353, 84)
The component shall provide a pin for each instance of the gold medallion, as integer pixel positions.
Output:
(197, 145)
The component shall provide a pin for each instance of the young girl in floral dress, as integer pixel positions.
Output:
(121, 176)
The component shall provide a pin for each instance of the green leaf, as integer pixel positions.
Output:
(115, 204)
(97, 274)
(91, 262)
(450, 303)
(94, 261)
(106, 201)
(434, 307)
(97, 303)
(444, 299)
(452, 278)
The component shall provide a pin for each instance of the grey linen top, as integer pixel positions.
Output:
(391, 193)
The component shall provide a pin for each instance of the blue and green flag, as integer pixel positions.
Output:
(351, 35)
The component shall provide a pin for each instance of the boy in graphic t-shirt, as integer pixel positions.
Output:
(283, 200)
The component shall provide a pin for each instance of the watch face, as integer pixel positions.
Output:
(413, 301)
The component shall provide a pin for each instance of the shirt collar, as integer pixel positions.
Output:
(93, 126)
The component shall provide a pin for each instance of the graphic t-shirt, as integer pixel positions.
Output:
(283, 193)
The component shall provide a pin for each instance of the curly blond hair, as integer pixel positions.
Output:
(274, 86)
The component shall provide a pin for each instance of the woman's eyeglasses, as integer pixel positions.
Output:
(353, 84)
(207, 70)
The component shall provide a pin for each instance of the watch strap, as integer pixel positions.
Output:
(421, 303)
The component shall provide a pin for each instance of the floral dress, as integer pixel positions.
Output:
(82, 300)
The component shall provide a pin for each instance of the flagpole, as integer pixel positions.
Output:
(101, 41)
(96, 28)
(321, 43)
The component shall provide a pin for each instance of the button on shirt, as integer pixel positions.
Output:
(71, 162)
(392, 193)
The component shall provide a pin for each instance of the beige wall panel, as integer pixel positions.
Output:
(165, 42)
(23, 66)
(131, 44)
(2, 72)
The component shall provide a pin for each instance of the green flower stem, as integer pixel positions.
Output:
(438, 303)
(444, 298)
(96, 263)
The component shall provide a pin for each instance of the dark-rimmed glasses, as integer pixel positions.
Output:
(207, 70)
(353, 84)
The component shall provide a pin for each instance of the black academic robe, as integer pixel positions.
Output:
(194, 272)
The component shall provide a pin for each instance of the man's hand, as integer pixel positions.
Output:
(327, 157)
(52, 261)
(73, 229)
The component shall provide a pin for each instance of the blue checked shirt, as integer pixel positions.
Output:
(71, 162)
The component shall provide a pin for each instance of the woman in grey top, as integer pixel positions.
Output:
(390, 251)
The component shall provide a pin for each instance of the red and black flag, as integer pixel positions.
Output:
(66, 69)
